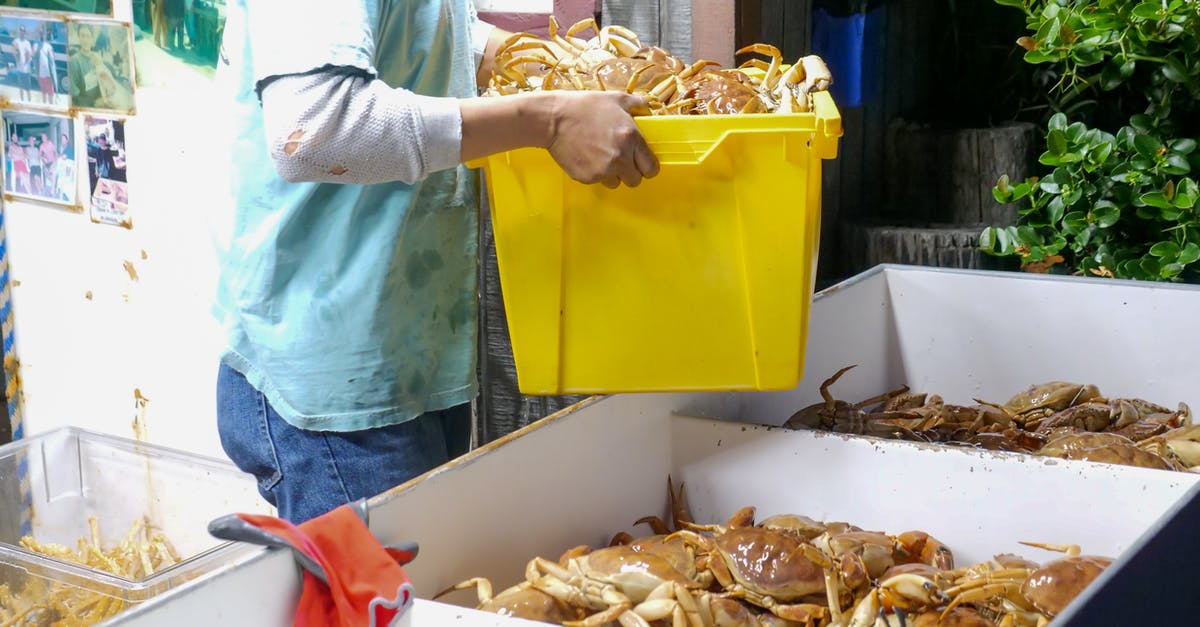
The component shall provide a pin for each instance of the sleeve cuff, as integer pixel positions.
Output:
(441, 120)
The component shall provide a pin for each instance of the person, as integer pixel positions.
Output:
(173, 11)
(34, 161)
(100, 159)
(65, 170)
(23, 51)
(47, 71)
(348, 262)
(20, 167)
(48, 153)
(82, 66)
(189, 23)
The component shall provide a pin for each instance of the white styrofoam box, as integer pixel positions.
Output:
(972, 334)
(516, 6)
(584, 474)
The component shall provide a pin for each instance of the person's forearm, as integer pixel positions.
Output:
(493, 125)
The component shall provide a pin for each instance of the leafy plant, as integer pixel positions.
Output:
(1120, 198)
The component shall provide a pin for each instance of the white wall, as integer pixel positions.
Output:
(82, 359)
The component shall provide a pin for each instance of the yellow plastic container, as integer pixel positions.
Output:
(698, 279)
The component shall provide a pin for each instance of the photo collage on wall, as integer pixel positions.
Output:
(67, 83)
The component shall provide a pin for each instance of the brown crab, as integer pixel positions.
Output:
(1052, 587)
(520, 601)
(767, 568)
(1104, 447)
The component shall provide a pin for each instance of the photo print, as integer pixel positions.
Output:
(100, 66)
(108, 186)
(177, 42)
(39, 157)
(95, 7)
(35, 61)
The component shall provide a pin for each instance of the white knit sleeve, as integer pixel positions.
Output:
(332, 127)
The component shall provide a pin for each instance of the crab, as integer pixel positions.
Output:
(610, 581)
(1104, 447)
(520, 601)
(1180, 446)
(1052, 587)
(615, 60)
(832, 412)
(1040, 400)
(767, 568)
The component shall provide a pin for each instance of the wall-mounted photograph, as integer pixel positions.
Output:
(34, 53)
(177, 41)
(108, 184)
(100, 66)
(97, 7)
(39, 157)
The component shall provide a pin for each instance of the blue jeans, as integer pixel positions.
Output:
(307, 473)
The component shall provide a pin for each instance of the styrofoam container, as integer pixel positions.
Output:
(52, 483)
(588, 472)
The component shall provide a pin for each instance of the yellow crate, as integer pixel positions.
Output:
(699, 279)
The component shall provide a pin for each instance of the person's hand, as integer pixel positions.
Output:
(594, 139)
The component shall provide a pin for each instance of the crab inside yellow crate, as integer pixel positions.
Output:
(698, 279)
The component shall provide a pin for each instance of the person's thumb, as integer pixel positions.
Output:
(635, 105)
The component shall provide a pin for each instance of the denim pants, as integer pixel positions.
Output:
(307, 473)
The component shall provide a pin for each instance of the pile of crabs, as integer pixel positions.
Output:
(785, 570)
(1056, 419)
(614, 59)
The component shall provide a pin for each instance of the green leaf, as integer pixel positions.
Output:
(1189, 254)
(1156, 199)
(1076, 131)
(1035, 57)
(1028, 235)
(1075, 222)
(1186, 194)
(1049, 186)
(1170, 214)
(1174, 70)
(1086, 56)
(1058, 122)
(1055, 209)
(1183, 146)
(1177, 164)
(1101, 153)
(1147, 11)
(1142, 122)
(1021, 190)
(1150, 266)
(1020, 4)
(1105, 214)
(1164, 250)
(1147, 145)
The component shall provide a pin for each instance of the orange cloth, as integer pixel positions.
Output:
(367, 586)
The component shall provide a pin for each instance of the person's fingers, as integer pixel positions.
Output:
(611, 182)
(628, 171)
(644, 159)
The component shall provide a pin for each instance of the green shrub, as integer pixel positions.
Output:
(1120, 196)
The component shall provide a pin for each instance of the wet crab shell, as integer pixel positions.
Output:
(1104, 447)
(1052, 587)
(530, 604)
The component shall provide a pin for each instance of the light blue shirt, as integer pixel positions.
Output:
(349, 306)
